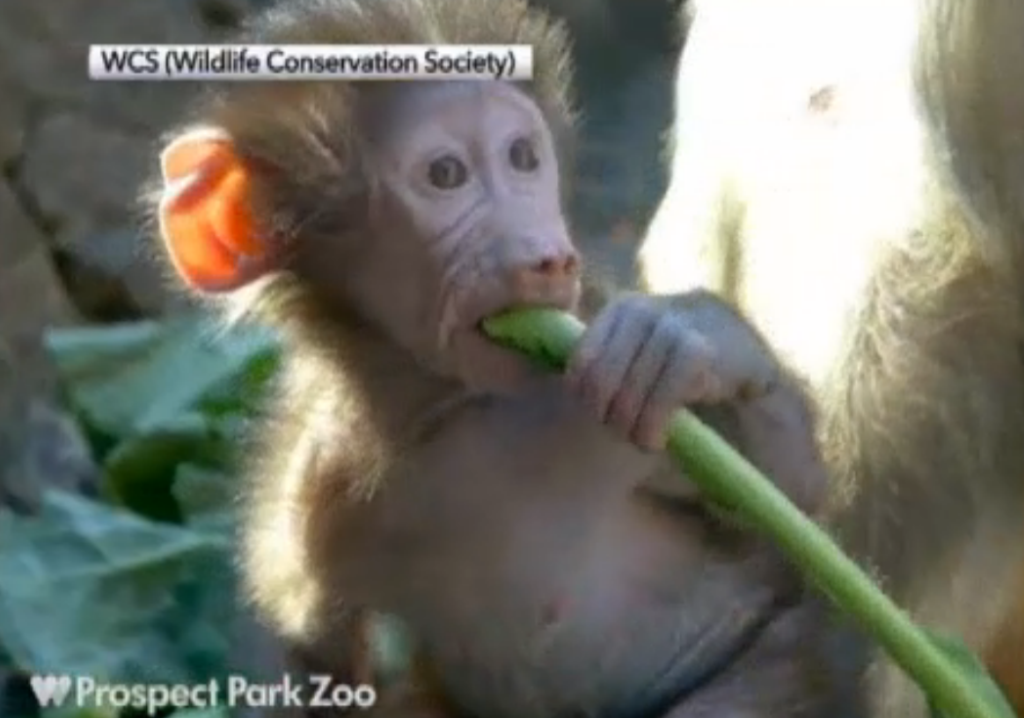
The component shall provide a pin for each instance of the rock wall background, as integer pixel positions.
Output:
(73, 152)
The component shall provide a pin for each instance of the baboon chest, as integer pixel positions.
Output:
(546, 577)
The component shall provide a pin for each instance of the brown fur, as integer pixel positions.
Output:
(889, 272)
(313, 132)
(1004, 656)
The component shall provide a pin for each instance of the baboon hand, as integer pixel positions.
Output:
(643, 357)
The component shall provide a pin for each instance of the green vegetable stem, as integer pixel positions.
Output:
(953, 679)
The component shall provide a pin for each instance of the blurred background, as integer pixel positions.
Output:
(117, 411)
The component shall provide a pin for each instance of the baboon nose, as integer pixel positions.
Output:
(549, 273)
(557, 266)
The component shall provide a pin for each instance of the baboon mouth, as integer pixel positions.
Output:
(561, 306)
(536, 353)
(480, 329)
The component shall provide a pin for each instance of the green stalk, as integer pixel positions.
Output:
(952, 678)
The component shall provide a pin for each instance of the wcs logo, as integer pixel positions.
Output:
(51, 690)
(130, 60)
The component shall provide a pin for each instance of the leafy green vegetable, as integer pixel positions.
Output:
(132, 380)
(161, 395)
(88, 589)
(951, 677)
(140, 470)
(204, 496)
(137, 587)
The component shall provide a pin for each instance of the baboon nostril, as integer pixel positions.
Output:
(555, 266)
(547, 266)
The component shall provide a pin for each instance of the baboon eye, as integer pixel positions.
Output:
(523, 155)
(448, 172)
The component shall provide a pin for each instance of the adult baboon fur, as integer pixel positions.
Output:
(851, 173)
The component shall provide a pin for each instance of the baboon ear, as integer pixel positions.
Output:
(204, 213)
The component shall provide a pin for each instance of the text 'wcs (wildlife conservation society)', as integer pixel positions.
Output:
(83, 692)
(310, 62)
